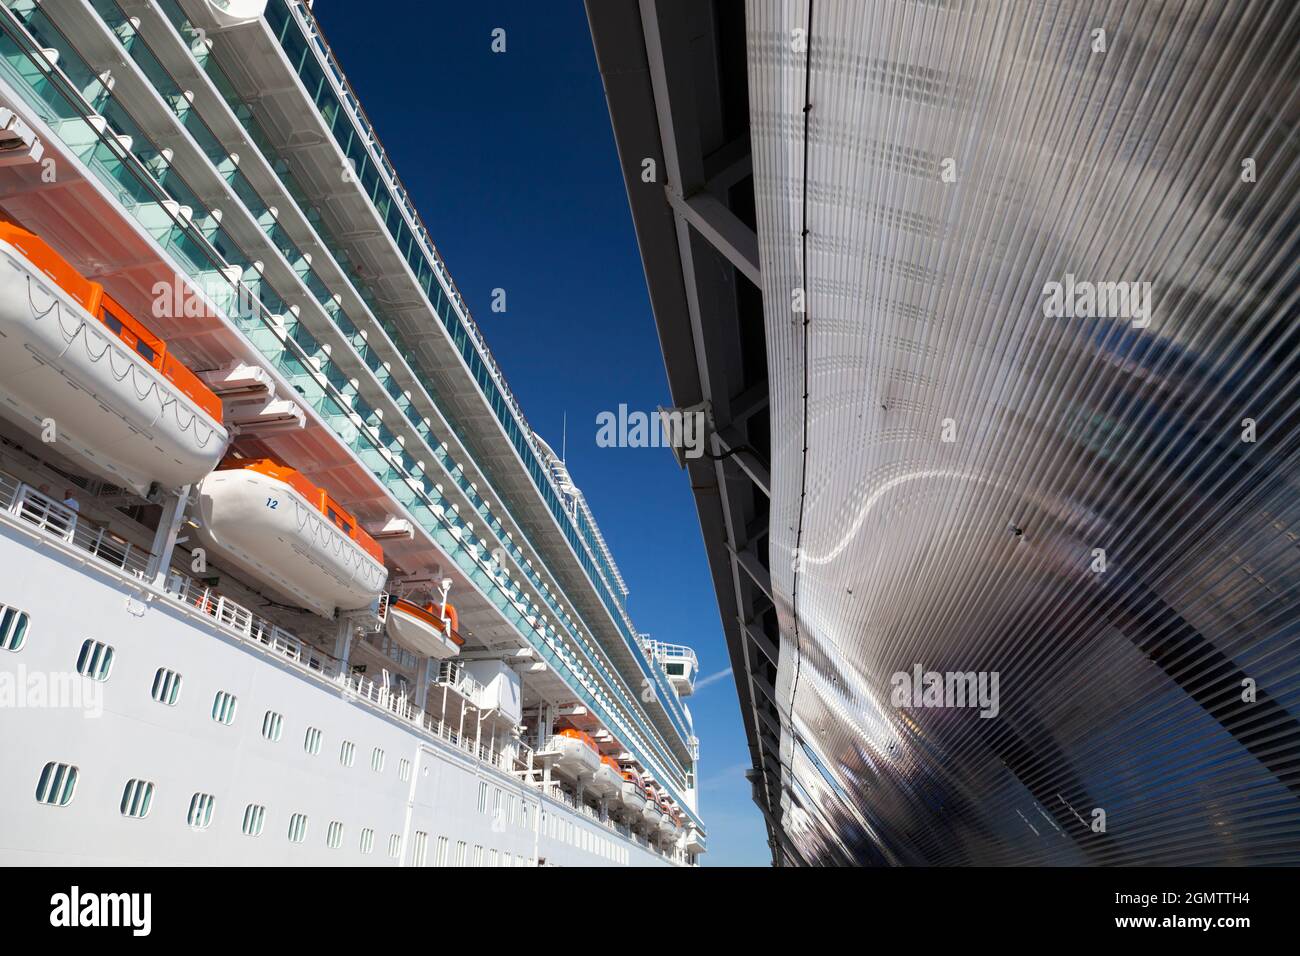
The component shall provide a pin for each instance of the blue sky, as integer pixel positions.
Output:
(511, 160)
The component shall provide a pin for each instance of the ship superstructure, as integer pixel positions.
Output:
(269, 512)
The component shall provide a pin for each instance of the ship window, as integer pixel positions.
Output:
(460, 853)
(272, 725)
(394, 845)
(482, 796)
(223, 708)
(312, 742)
(13, 628)
(200, 814)
(367, 840)
(334, 834)
(254, 818)
(57, 784)
(492, 858)
(166, 687)
(137, 797)
(675, 670)
(298, 828)
(420, 849)
(404, 769)
(478, 855)
(147, 352)
(111, 321)
(347, 753)
(377, 760)
(95, 660)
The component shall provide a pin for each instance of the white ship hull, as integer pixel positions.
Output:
(116, 732)
(268, 531)
(110, 411)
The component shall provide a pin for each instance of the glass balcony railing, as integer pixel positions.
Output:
(323, 80)
(244, 115)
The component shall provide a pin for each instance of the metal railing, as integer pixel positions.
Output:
(63, 523)
(60, 521)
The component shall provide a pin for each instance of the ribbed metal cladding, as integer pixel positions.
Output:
(1099, 531)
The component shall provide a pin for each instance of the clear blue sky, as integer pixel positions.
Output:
(511, 160)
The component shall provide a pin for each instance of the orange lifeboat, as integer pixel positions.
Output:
(122, 405)
(667, 819)
(631, 794)
(608, 778)
(425, 630)
(578, 754)
(285, 532)
(651, 814)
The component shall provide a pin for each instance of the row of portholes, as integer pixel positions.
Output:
(95, 661)
(58, 785)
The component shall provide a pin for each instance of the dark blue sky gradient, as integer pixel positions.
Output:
(511, 161)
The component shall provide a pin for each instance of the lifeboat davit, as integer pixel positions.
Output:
(631, 794)
(289, 536)
(608, 778)
(424, 629)
(71, 356)
(578, 754)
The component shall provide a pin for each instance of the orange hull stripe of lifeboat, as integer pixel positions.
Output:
(429, 614)
(579, 735)
(317, 497)
(92, 297)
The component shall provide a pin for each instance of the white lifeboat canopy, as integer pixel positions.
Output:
(76, 366)
(426, 630)
(289, 536)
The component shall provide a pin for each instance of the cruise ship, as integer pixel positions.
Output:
(993, 312)
(287, 577)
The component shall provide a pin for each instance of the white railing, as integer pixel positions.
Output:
(557, 792)
(239, 619)
(56, 519)
(62, 523)
(662, 652)
(452, 673)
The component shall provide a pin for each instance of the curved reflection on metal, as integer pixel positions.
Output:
(1100, 507)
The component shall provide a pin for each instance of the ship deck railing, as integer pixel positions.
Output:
(53, 518)
(58, 520)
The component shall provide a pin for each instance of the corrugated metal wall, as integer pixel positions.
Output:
(975, 471)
